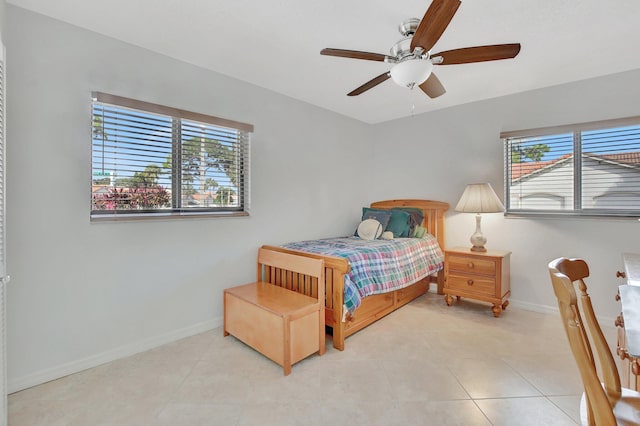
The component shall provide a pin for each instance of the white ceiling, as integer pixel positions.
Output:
(276, 44)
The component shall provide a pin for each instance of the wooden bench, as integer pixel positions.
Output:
(271, 316)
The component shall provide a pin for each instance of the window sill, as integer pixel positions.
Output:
(571, 215)
(121, 217)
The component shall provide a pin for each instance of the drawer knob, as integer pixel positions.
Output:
(620, 274)
(470, 282)
(470, 265)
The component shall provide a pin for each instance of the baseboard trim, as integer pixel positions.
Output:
(607, 322)
(543, 309)
(72, 367)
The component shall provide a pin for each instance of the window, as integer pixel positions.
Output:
(154, 161)
(588, 169)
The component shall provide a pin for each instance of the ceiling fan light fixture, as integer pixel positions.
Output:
(411, 72)
(412, 54)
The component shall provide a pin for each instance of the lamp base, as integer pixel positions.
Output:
(477, 239)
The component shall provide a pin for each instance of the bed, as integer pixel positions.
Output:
(343, 321)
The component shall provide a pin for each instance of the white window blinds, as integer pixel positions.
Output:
(583, 169)
(149, 159)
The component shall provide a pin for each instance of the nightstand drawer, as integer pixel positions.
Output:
(471, 283)
(472, 265)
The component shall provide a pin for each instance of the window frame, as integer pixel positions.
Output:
(578, 211)
(177, 115)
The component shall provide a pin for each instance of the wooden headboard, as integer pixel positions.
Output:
(433, 214)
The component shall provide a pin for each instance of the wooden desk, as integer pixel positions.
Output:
(630, 371)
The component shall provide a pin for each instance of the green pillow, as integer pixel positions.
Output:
(417, 217)
(399, 223)
(419, 232)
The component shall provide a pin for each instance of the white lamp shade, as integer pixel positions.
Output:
(479, 198)
(411, 72)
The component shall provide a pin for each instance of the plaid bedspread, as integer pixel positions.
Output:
(378, 266)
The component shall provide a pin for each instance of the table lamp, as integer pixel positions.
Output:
(479, 198)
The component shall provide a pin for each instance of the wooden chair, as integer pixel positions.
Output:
(603, 403)
(272, 315)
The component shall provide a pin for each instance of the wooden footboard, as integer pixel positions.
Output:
(372, 308)
(335, 269)
(376, 306)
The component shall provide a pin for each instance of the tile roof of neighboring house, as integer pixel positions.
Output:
(630, 158)
(519, 170)
(99, 188)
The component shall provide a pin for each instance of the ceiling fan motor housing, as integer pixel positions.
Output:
(409, 27)
(401, 51)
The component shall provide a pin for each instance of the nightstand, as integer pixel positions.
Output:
(481, 276)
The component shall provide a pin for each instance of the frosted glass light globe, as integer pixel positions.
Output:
(411, 72)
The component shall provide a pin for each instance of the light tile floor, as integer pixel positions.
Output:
(426, 364)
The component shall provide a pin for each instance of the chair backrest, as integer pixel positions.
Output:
(564, 273)
(301, 274)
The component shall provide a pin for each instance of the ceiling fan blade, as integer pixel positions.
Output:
(434, 22)
(355, 54)
(478, 54)
(432, 87)
(369, 84)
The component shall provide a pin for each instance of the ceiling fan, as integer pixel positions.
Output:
(412, 54)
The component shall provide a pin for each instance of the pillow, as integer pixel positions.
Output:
(369, 229)
(382, 216)
(387, 235)
(419, 232)
(417, 217)
(399, 223)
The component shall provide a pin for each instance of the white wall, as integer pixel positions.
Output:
(84, 293)
(3, 5)
(450, 148)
